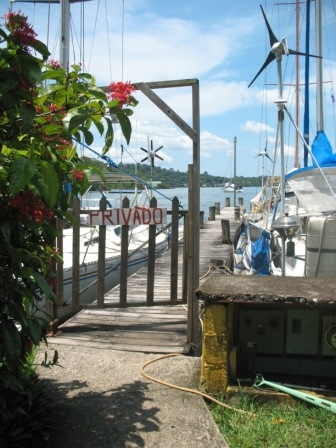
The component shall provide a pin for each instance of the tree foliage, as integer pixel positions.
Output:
(43, 108)
(170, 178)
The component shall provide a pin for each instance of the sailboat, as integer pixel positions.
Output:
(300, 239)
(231, 187)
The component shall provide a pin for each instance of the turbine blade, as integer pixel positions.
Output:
(158, 157)
(303, 54)
(158, 149)
(269, 157)
(272, 38)
(143, 149)
(269, 59)
(146, 158)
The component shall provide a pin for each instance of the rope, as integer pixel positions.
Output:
(223, 269)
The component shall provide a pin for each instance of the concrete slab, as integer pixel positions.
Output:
(103, 400)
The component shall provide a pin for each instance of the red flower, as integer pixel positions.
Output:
(120, 91)
(54, 64)
(22, 33)
(31, 207)
(78, 175)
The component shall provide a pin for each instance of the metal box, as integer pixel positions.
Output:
(302, 332)
(261, 331)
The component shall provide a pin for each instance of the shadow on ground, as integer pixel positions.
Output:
(114, 418)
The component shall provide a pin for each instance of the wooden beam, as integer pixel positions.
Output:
(146, 90)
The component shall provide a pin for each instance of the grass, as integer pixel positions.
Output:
(278, 423)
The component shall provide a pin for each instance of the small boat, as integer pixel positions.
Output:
(229, 187)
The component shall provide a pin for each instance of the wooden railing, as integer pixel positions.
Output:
(174, 227)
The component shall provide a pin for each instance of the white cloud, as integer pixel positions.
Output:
(256, 127)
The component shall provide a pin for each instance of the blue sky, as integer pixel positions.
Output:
(222, 44)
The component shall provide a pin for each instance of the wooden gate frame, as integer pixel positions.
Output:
(193, 231)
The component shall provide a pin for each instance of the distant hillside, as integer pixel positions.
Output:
(170, 178)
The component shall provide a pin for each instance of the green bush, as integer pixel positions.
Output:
(43, 110)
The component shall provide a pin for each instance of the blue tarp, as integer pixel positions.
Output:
(322, 150)
(261, 254)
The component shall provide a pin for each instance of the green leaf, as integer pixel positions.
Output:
(97, 92)
(41, 48)
(35, 330)
(21, 172)
(27, 112)
(108, 136)
(5, 231)
(8, 79)
(50, 88)
(42, 283)
(100, 127)
(11, 338)
(73, 120)
(52, 128)
(53, 74)
(47, 183)
(88, 136)
(132, 101)
(125, 125)
(71, 152)
(30, 67)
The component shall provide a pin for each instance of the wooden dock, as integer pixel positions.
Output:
(160, 328)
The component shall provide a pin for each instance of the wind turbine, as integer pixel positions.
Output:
(263, 154)
(278, 48)
(151, 154)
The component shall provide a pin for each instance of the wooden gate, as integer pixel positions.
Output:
(98, 299)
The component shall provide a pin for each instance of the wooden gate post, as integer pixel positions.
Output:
(174, 251)
(75, 254)
(151, 258)
(101, 258)
(124, 260)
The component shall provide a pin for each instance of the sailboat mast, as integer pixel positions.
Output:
(234, 170)
(306, 95)
(65, 33)
(297, 93)
(319, 77)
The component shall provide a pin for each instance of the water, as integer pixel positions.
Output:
(208, 198)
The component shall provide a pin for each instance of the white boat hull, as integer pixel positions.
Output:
(89, 262)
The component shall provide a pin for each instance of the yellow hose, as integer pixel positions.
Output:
(185, 389)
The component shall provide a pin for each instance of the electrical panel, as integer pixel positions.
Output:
(329, 336)
(302, 332)
(261, 331)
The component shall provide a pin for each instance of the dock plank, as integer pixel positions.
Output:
(161, 328)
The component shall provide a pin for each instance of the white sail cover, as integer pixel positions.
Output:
(315, 192)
